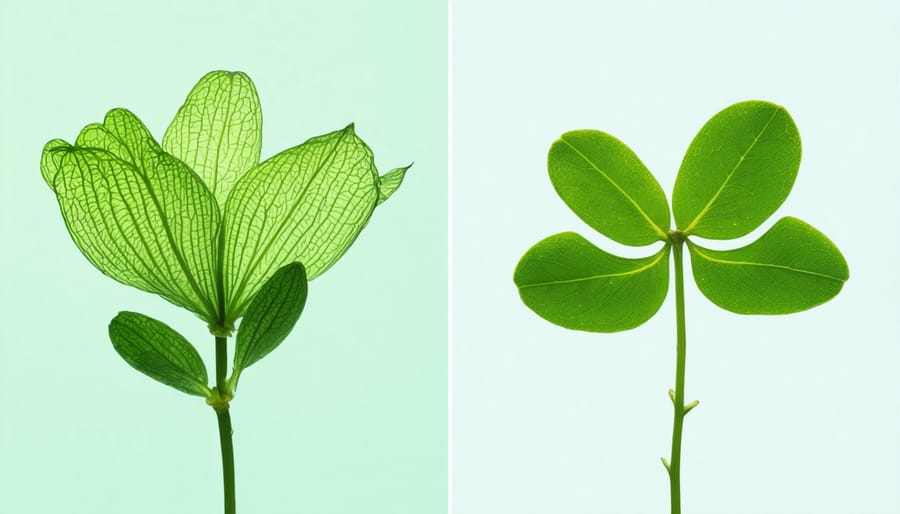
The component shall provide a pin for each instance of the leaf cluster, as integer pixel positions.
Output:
(200, 221)
(737, 171)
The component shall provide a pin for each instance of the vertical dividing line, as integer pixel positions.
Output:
(224, 418)
(678, 400)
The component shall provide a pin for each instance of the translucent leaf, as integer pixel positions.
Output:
(608, 187)
(159, 352)
(390, 182)
(138, 214)
(737, 171)
(271, 315)
(570, 282)
(218, 130)
(306, 204)
(791, 268)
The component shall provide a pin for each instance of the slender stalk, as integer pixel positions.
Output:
(224, 418)
(678, 398)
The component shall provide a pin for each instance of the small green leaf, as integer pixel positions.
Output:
(791, 268)
(738, 170)
(159, 352)
(271, 315)
(390, 182)
(607, 186)
(306, 204)
(570, 282)
(218, 130)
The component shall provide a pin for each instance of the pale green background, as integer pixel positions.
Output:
(349, 415)
(798, 414)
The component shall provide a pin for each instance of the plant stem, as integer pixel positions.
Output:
(224, 418)
(678, 397)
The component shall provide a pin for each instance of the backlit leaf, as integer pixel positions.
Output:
(737, 171)
(271, 315)
(306, 204)
(218, 130)
(570, 282)
(138, 214)
(792, 267)
(159, 352)
(607, 186)
(390, 182)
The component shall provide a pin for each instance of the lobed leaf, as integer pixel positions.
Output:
(158, 351)
(607, 186)
(737, 171)
(791, 268)
(138, 214)
(270, 316)
(570, 282)
(218, 130)
(306, 204)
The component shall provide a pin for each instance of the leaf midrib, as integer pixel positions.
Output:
(664, 252)
(659, 231)
(710, 258)
(693, 224)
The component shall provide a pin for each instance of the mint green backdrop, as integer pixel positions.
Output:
(349, 415)
(798, 413)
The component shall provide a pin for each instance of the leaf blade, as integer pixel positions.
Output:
(790, 268)
(217, 132)
(570, 282)
(307, 204)
(737, 171)
(390, 182)
(136, 213)
(271, 315)
(158, 351)
(605, 183)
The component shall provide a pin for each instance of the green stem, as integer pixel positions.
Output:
(678, 397)
(224, 418)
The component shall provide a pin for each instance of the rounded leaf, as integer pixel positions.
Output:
(792, 267)
(606, 185)
(737, 171)
(570, 282)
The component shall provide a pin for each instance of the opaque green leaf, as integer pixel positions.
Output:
(306, 204)
(570, 282)
(159, 352)
(218, 130)
(138, 214)
(390, 182)
(271, 315)
(792, 267)
(607, 186)
(737, 171)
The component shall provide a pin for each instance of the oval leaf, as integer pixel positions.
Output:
(608, 187)
(218, 130)
(570, 282)
(138, 214)
(271, 315)
(737, 171)
(306, 204)
(791, 268)
(159, 352)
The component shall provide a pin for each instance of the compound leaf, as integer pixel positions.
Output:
(218, 130)
(790, 268)
(158, 351)
(737, 171)
(607, 186)
(570, 282)
(138, 214)
(306, 204)
(271, 315)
